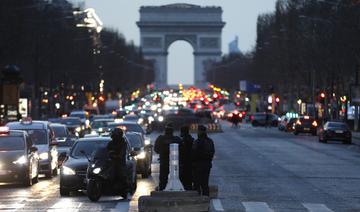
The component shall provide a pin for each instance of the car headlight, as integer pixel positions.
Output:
(97, 170)
(140, 121)
(147, 141)
(78, 129)
(44, 156)
(67, 171)
(161, 118)
(140, 156)
(151, 119)
(101, 129)
(22, 160)
(87, 122)
(93, 132)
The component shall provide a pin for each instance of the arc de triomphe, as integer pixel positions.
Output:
(160, 26)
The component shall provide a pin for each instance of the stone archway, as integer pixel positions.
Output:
(160, 26)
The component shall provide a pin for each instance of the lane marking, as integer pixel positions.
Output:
(313, 207)
(217, 204)
(257, 207)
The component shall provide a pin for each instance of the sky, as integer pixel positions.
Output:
(240, 17)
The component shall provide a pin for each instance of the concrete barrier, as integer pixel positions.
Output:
(211, 128)
(170, 201)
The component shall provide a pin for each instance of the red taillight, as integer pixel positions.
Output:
(230, 115)
(4, 130)
(298, 122)
(314, 124)
(251, 118)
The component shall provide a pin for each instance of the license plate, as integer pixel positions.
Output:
(339, 131)
(307, 129)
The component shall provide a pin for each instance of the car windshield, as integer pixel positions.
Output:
(88, 147)
(338, 125)
(129, 127)
(98, 124)
(11, 143)
(59, 131)
(70, 121)
(135, 140)
(38, 136)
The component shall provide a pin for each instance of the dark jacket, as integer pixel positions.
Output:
(203, 151)
(162, 146)
(185, 149)
(119, 149)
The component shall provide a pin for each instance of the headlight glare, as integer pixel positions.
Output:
(147, 141)
(97, 170)
(140, 156)
(44, 156)
(68, 171)
(22, 160)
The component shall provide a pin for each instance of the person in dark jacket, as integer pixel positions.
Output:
(117, 151)
(162, 147)
(185, 165)
(203, 151)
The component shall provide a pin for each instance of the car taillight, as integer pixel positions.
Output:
(314, 124)
(251, 118)
(298, 122)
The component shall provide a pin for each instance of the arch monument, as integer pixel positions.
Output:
(160, 26)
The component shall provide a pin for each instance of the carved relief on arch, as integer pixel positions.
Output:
(192, 39)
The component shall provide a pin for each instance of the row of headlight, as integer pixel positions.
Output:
(23, 159)
(159, 118)
(69, 171)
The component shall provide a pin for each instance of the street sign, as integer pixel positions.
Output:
(355, 94)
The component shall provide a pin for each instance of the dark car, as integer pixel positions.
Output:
(99, 126)
(336, 131)
(74, 125)
(43, 137)
(19, 161)
(64, 139)
(305, 124)
(290, 124)
(264, 119)
(73, 172)
(127, 126)
(143, 151)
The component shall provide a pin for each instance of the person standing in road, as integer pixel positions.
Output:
(185, 165)
(162, 147)
(203, 151)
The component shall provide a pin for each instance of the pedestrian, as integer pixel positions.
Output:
(162, 147)
(203, 151)
(185, 165)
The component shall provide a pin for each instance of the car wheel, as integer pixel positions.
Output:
(64, 192)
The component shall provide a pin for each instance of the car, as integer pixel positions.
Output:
(259, 119)
(74, 125)
(99, 126)
(283, 123)
(73, 172)
(127, 127)
(305, 124)
(337, 131)
(64, 139)
(143, 151)
(290, 125)
(43, 137)
(82, 115)
(18, 156)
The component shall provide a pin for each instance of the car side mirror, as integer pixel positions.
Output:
(33, 149)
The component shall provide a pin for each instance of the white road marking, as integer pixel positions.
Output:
(217, 204)
(257, 207)
(312, 207)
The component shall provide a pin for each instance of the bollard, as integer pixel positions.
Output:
(174, 183)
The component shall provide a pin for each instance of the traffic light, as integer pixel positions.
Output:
(101, 98)
(277, 100)
(322, 97)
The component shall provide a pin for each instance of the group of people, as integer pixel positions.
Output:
(195, 158)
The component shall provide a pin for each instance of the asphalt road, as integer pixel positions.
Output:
(256, 169)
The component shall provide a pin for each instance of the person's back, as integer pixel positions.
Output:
(162, 147)
(185, 165)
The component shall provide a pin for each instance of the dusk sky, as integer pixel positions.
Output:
(240, 17)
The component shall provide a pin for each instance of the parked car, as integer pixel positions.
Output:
(337, 131)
